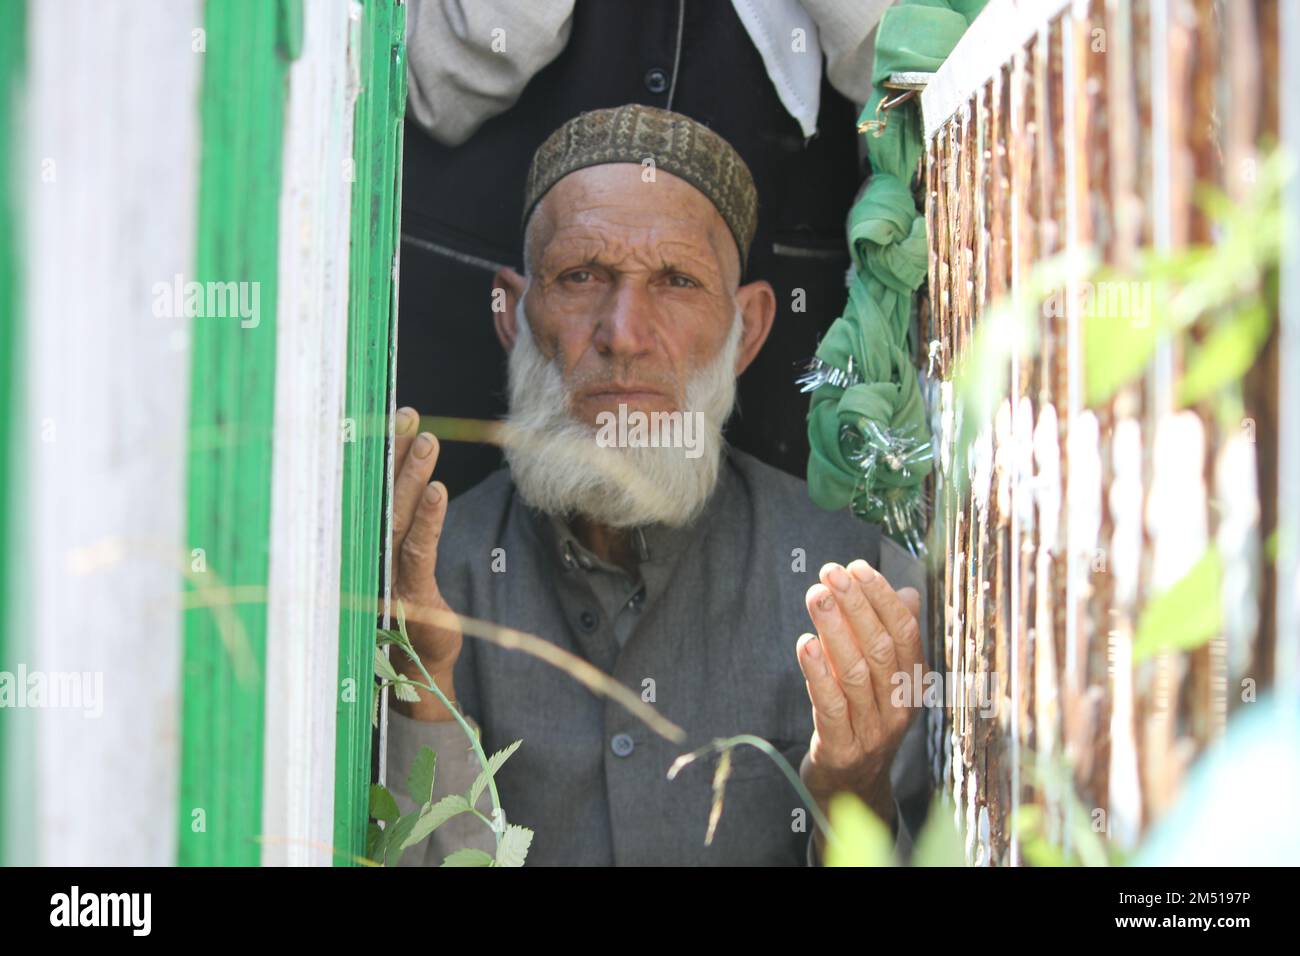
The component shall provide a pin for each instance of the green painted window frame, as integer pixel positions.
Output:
(13, 43)
(249, 44)
(380, 40)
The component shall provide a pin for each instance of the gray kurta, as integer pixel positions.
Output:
(706, 628)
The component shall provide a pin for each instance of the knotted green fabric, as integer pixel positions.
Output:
(867, 426)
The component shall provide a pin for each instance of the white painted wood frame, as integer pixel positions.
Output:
(307, 468)
(110, 167)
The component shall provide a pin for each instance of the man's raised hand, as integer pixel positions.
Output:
(419, 508)
(866, 633)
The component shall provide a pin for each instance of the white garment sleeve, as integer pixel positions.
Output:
(846, 30)
(454, 772)
(468, 60)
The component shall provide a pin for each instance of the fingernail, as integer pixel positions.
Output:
(405, 420)
(423, 445)
(862, 571)
(814, 662)
(432, 493)
(839, 578)
(826, 602)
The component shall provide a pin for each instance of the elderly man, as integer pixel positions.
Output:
(681, 567)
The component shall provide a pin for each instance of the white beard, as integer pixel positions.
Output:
(560, 468)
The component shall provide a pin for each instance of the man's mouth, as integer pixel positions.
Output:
(628, 394)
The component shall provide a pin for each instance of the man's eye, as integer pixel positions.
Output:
(577, 275)
(680, 281)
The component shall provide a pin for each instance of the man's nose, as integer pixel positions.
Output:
(625, 327)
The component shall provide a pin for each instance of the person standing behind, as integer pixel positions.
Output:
(488, 80)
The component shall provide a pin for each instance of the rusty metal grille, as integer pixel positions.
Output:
(1092, 129)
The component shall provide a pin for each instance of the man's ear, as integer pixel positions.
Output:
(757, 304)
(507, 291)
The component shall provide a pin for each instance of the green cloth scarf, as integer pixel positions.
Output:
(867, 425)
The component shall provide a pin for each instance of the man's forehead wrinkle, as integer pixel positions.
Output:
(632, 250)
(614, 199)
(624, 183)
(612, 213)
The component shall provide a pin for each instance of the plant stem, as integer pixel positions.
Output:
(791, 775)
(432, 686)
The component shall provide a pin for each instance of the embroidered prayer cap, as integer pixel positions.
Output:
(677, 144)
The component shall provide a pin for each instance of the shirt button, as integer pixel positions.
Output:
(621, 744)
(656, 80)
(587, 621)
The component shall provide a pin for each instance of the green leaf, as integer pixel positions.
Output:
(1272, 544)
(468, 857)
(1185, 616)
(392, 636)
(1090, 845)
(374, 832)
(405, 690)
(381, 843)
(383, 666)
(1028, 824)
(435, 816)
(863, 840)
(494, 764)
(401, 622)
(940, 842)
(382, 805)
(395, 838)
(1116, 350)
(514, 845)
(419, 782)
(1227, 353)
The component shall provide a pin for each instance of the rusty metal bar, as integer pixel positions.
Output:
(1288, 570)
(1001, 28)
(1052, 130)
